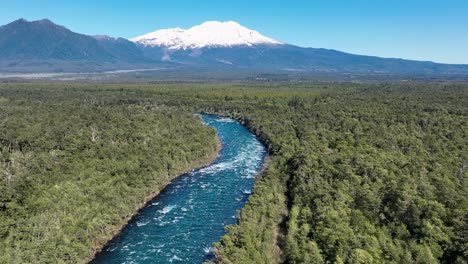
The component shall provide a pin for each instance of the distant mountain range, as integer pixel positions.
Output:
(42, 46)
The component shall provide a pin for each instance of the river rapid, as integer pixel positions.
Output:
(189, 215)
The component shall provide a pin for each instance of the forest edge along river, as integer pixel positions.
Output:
(181, 223)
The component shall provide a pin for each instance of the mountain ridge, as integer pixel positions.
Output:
(42, 46)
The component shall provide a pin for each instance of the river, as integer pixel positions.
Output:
(189, 215)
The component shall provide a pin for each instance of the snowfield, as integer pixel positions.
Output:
(208, 34)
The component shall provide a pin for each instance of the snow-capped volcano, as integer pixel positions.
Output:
(208, 34)
(223, 49)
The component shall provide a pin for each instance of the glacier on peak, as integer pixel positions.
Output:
(208, 34)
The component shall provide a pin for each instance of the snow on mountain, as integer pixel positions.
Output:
(208, 34)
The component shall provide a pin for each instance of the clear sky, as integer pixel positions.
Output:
(411, 29)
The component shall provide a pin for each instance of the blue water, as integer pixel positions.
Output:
(181, 224)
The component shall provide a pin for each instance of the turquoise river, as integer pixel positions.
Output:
(189, 215)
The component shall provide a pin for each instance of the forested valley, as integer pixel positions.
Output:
(359, 173)
(75, 165)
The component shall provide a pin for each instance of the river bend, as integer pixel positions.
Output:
(189, 215)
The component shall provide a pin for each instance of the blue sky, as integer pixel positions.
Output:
(411, 29)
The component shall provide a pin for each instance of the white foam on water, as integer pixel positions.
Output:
(226, 120)
(246, 191)
(174, 258)
(167, 209)
(218, 167)
(141, 224)
(251, 170)
(163, 223)
(204, 185)
(207, 250)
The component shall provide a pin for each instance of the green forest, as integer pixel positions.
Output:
(358, 173)
(75, 166)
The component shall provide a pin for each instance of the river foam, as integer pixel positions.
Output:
(181, 224)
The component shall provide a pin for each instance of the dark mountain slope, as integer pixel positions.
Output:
(45, 40)
(42, 46)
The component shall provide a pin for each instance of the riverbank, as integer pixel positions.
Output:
(195, 208)
(116, 230)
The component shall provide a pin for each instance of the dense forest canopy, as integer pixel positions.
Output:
(359, 173)
(75, 166)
